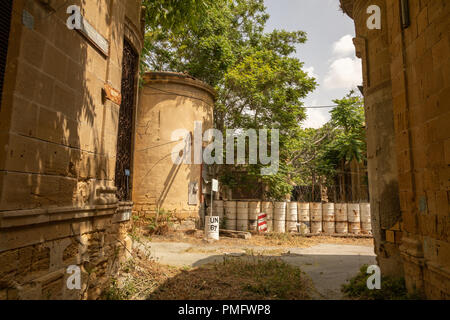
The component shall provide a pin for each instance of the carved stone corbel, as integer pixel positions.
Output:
(361, 52)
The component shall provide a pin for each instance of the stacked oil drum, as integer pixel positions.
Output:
(340, 211)
(291, 217)
(328, 218)
(315, 210)
(230, 215)
(254, 209)
(242, 216)
(302, 217)
(354, 218)
(279, 217)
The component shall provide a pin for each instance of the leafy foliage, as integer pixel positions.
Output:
(258, 81)
(173, 14)
(348, 118)
(259, 84)
(320, 153)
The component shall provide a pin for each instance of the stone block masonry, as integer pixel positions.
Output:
(58, 130)
(159, 183)
(411, 234)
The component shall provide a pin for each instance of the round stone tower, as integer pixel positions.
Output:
(173, 109)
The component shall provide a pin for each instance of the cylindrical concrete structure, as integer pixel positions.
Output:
(279, 217)
(364, 209)
(173, 109)
(230, 215)
(366, 228)
(340, 211)
(315, 209)
(353, 213)
(366, 223)
(341, 227)
(304, 217)
(218, 209)
(329, 227)
(328, 218)
(328, 214)
(354, 218)
(354, 227)
(316, 227)
(254, 209)
(242, 216)
(291, 217)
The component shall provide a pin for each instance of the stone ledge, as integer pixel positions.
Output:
(21, 218)
(439, 269)
(411, 247)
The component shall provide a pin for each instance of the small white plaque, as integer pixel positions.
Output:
(215, 185)
(92, 35)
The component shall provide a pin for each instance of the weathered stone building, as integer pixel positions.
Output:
(406, 68)
(59, 129)
(170, 102)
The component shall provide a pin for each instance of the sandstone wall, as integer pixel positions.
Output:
(418, 68)
(372, 48)
(59, 131)
(168, 102)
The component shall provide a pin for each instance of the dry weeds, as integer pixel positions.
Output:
(246, 277)
(282, 240)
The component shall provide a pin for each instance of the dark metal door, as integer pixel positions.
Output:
(5, 24)
(125, 134)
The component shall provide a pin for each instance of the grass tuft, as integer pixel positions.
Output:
(247, 277)
(392, 288)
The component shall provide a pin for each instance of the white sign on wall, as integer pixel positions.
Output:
(215, 185)
(78, 22)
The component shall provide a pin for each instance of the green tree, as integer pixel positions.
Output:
(259, 82)
(348, 118)
(322, 153)
(173, 15)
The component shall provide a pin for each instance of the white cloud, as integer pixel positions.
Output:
(344, 73)
(344, 47)
(310, 72)
(316, 118)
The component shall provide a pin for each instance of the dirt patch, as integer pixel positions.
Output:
(244, 278)
(249, 251)
(137, 279)
(236, 278)
(282, 240)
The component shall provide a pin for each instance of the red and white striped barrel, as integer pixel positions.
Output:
(262, 222)
(267, 208)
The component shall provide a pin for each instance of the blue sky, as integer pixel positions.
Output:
(328, 54)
